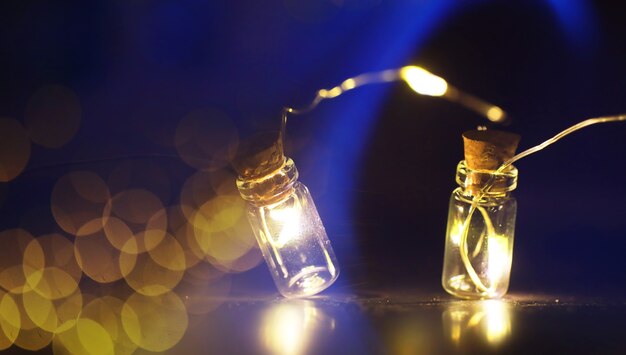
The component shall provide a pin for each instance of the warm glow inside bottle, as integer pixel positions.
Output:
(289, 231)
(481, 218)
(479, 249)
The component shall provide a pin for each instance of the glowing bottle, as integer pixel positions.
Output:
(481, 219)
(288, 229)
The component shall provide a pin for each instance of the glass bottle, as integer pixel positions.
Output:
(289, 231)
(479, 237)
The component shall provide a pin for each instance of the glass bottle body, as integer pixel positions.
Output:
(293, 240)
(479, 237)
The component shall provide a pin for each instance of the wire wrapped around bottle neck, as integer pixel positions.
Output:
(473, 180)
(270, 188)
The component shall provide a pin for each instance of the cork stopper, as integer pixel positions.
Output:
(487, 150)
(259, 155)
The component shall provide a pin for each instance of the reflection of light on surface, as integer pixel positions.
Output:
(288, 328)
(497, 323)
(489, 320)
(423, 82)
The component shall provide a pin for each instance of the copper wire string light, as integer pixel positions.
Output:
(492, 281)
(280, 209)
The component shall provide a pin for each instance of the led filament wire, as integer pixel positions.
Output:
(425, 83)
(419, 80)
(489, 184)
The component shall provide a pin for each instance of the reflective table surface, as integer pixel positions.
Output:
(409, 323)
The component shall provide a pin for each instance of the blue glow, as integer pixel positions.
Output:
(578, 20)
(355, 114)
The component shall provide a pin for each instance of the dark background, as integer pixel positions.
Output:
(379, 161)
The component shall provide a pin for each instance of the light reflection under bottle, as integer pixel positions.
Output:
(291, 327)
(488, 321)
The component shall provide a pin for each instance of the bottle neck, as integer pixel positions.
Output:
(270, 187)
(486, 182)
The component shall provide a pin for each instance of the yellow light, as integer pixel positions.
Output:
(467, 322)
(498, 258)
(348, 84)
(288, 328)
(495, 114)
(330, 94)
(497, 323)
(423, 82)
(289, 218)
(455, 233)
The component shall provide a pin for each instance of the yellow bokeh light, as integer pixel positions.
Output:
(423, 82)
(20, 256)
(33, 339)
(155, 323)
(14, 149)
(52, 283)
(139, 212)
(10, 320)
(93, 337)
(78, 203)
(169, 254)
(40, 310)
(100, 261)
(149, 277)
(206, 133)
(183, 232)
(106, 311)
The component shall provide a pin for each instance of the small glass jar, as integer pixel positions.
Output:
(479, 237)
(289, 231)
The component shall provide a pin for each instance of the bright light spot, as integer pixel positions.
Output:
(495, 114)
(423, 82)
(287, 328)
(497, 322)
(499, 258)
(289, 219)
(348, 84)
(330, 94)
(468, 322)
(455, 233)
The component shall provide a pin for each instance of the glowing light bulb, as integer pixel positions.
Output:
(423, 82)
(289, 231)
(499, 257)
(495, 114)
(479, 238)
(287, 219)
